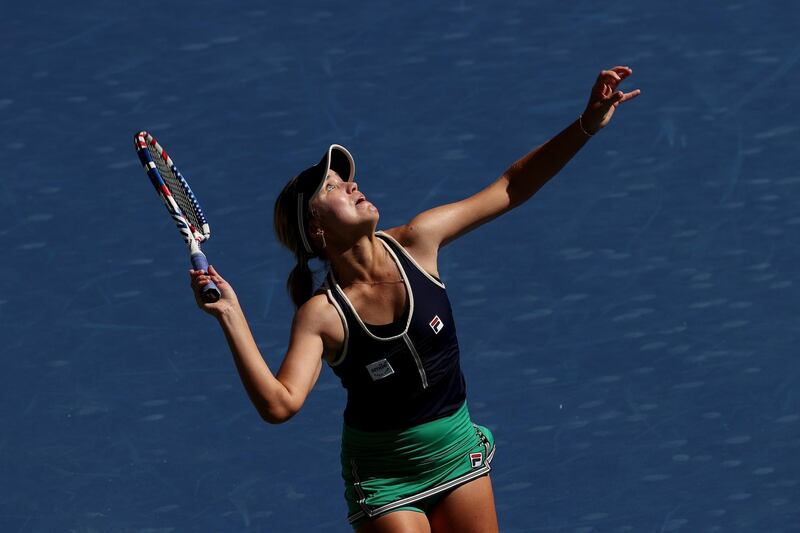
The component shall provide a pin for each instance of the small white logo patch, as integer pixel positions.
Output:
(380, 369)
(436, 324)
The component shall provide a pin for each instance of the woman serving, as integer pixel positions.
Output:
(412, 459)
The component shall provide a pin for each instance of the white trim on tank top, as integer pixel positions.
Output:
(410, 258)
(338, 360)
(408, 290)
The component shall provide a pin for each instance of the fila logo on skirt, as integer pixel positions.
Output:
(476, 459)
(436, 324)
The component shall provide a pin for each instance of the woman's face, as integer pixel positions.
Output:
(341, 209)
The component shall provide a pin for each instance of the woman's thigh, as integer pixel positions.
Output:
(467, 509)
(397, 522)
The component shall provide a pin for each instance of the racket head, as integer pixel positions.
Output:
(173, 188)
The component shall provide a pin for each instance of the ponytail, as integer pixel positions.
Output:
(300, 283)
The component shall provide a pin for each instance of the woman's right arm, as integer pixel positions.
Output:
(277, 398)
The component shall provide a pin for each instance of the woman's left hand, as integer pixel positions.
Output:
(605, 98)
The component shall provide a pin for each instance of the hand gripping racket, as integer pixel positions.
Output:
(180, 201)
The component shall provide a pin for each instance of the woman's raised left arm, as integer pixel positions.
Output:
(436, 227)
(530, 173)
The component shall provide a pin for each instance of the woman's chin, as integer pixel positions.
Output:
(367, 206)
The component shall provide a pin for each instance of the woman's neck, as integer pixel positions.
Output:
(366, 262)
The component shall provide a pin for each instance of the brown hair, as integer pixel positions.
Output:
(300, 284)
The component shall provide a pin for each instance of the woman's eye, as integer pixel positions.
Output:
(330, 187)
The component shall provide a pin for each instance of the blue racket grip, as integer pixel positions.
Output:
(210, 292)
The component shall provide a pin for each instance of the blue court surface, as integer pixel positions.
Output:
(630, 335)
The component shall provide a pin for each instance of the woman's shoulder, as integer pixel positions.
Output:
(400, 234)
(424, 255)
(318, 306)
(395, 233)
(319, 314)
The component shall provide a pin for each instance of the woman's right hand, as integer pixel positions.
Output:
(227, 300)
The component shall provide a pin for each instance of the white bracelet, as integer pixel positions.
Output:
(580, 123)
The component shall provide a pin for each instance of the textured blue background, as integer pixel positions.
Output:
(630, 334)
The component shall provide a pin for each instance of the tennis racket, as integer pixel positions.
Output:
(181, 203)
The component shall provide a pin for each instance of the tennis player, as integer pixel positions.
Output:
(412, 459)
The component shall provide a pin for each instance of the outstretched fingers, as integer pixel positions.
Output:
(607, 82)
(619, 97)
(630, 96)
(610, 76)
(605, 97)
(613, 76)
(622, 72)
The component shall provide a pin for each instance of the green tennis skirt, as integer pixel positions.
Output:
(387, 471)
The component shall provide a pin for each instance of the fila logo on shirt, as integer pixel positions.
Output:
(476, 459)
(436, 324)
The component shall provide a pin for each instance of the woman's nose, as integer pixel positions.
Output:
(352, 185)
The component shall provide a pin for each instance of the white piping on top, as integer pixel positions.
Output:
(331, 299)
(408, 291)
(418, 360)
(413, 261)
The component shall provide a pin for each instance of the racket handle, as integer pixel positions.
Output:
(210, 292)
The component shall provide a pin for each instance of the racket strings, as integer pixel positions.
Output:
(179, 192)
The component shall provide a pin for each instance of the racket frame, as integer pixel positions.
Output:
(191, 234)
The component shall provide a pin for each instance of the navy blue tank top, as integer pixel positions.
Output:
(404, 373)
